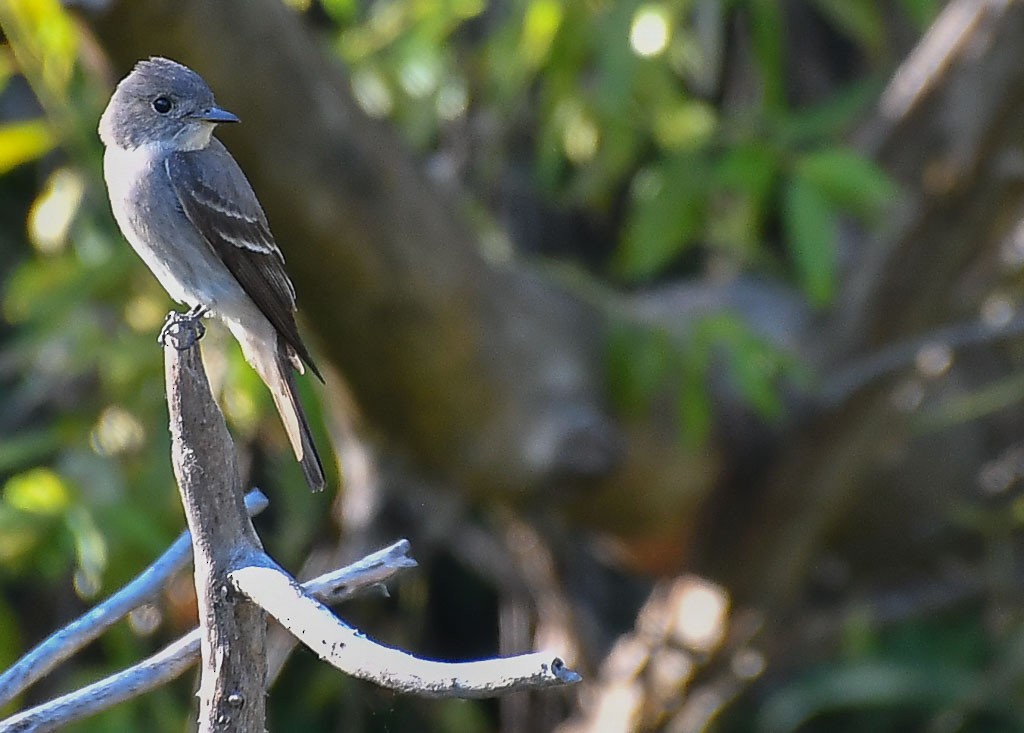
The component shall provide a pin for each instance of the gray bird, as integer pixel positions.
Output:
(185, 206)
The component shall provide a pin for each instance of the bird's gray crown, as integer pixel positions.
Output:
(160, 101)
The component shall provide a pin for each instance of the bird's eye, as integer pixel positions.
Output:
(162, 105)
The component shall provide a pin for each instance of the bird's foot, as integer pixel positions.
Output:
(183, 330)
(197, 312)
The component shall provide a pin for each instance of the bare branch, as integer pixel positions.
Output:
(63, 644)
(863, 372)
(173, 660)
(234, 630)
(347, 649)
(372, 570)
(339, 585)
(149, 674)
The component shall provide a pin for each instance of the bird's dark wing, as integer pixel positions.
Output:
(217, 198)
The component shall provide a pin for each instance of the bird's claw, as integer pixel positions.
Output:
(183, 330)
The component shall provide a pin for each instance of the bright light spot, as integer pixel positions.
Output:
(361, 500)
(145, 313)
(700, 614)
(117, 431)
(934, 360)
(452, 100)
(495, 245)
(1012, 250)
(91, 551)
(997, 311)
(684, 126)
(646, 184)
(87, 584)
(53, 211)
(627, 658)
(619, 707)
(53, 358)
(241, 407)
(386, 18)
(748, 664)
(145, 619)
(372, 93)
(669, 671)
(420, 76)
(650, 32)
(580, 138)
(996, 477)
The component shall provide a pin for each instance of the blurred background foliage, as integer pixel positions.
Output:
(599, 117)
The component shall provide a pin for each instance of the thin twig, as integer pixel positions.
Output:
(374, 569)
(174, 659)
(149, 674)
(866, 370)
(63, 644)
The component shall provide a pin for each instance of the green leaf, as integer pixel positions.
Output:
(866, 685)
(749, 167)
(742, 181)
(27, 447)
(21, 142)
(668, 213)
(831, 118)
(809, 223)
(541, 22)
(848, 180)
(20, 533)
(342, 11)
(860, 19)
(42, 288)
(766, 29)
(754, 365)
(921, 12)
(616, 63)
(7, 67)
(693, 407)
(638, 362)
(755, 370)
(12, 645)
(684, 124)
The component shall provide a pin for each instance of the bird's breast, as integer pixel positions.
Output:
(150, 216)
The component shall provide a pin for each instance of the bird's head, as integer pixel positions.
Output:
(161, 102)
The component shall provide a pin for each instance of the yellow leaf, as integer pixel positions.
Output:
(44, 39)
(39, 491)
(21, 142)
(50, 217)
(540, 26)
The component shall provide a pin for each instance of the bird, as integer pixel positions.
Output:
(187, 209)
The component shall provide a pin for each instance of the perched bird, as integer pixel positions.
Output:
(185, 206)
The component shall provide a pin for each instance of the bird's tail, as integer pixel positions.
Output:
(286, 399)
(274, 363)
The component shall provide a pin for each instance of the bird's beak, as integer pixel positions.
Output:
(215, 114)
